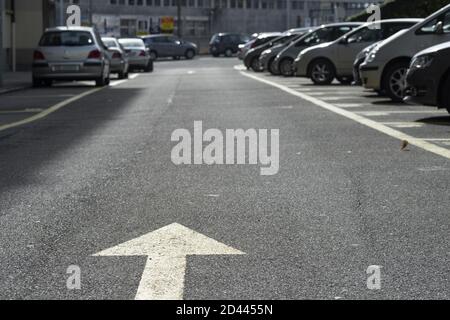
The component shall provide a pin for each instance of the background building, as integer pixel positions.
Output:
(202, 18)
(23, 22)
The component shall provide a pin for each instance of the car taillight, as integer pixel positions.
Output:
(117, 55)
(142, 54)
(37, 55)
(95, 54)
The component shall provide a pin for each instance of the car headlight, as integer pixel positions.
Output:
(422, 62)
(372, 55)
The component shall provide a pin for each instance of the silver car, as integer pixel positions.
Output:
(119, 57)
(325, 62)
(70, 53)
(138, 54)
(282, 62)
(163, 45)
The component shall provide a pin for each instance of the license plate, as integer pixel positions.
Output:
(65, 68)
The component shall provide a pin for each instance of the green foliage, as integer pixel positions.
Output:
(405, 9)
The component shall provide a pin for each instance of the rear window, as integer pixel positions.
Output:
(131, 43)
(66, 38)
(110, 43)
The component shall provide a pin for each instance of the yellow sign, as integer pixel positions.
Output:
(167, 24)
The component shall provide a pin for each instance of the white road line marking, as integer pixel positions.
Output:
(133, 76)
(191, 72)
(351, 105)
(404, 124)
(118, 82)
(50, 110)
(387, 113)
(36, 110)
(437, 139)
(337, 98)
(166, 250)
(60, 105)
(284, 107)
(420, 143)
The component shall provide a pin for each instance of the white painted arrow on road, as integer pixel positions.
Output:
(166, 250)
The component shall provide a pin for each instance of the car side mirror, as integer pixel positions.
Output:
(439, 28)
(343, 41)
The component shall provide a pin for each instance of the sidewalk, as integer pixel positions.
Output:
(14, 81)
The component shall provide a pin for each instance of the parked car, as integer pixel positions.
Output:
(360, 58)
(163, 45)
(386, 66)
(244, 47)
(251, 59)
(325, 62)
(428, 77)
(226, 43)
(118, 57)
(138, 54)
(70, 53)
(282, 62)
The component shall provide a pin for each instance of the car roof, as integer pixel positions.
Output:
(156, 36)
(53, 29)
(413, 20)
(339, 24)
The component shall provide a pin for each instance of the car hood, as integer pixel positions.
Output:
(392, 39)
(318, 47)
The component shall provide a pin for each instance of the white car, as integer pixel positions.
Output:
(325, 62)
(386, 65)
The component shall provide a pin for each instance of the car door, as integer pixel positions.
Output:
(355, 43)
(174, 46)
(161, 45)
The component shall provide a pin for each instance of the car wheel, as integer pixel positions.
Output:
(445, 95)
(102, 81)
(149, 67)
(322, 72)
(394, 82)
(190, 54)
(272, 69)
(228, 53)
(153, 55)
(345, 80)
(37, 83)
(286, 68)
(255, 65)
(122, 75)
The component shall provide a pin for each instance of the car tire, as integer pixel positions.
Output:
(272, 68)
(37, 83)
(153, 55)
(322, 72)
(285, 67)
(102, 81)
(394, 82)
(228, 53)
(345, 80)
(190, 54)
(445, 95)
(149, 66)
(255, 65)
(122, 75)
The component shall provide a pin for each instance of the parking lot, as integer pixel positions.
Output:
(415, 123)
(95, 172)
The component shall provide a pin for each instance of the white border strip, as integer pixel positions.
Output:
(421, 143)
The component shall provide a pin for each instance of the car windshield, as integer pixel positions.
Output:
(66, 38)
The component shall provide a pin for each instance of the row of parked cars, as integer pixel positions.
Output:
(404, 59)
(80, 53)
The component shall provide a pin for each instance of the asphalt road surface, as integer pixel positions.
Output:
(81, 174)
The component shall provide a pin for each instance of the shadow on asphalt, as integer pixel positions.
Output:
(438, 121)
(25, 149)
